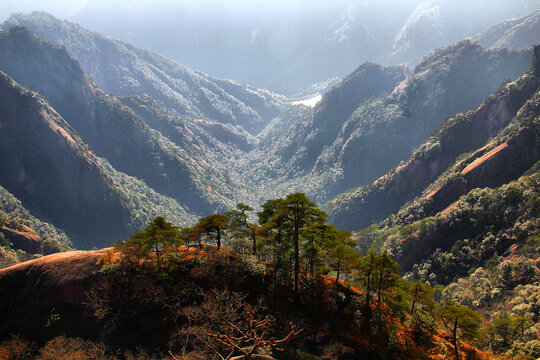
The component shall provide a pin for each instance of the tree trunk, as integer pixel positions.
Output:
(218, 239)
(379, 288)
(338, 269)
(254, 242)
(413, 307)
(157, 257)
(311, 264)
(454, 339)
(296, 252)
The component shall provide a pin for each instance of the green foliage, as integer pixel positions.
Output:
(158, 235)
(14, 215)
(213, 226)
(461, 322)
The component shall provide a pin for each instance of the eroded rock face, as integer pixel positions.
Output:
(46, 166)
(27, 241)
(49, 289)
(491, 168)
(460, 134)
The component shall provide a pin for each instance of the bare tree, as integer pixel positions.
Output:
(246, 341)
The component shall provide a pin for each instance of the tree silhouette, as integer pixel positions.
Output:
(213, 226)
(461, 321)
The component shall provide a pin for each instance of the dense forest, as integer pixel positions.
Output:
(292, 286)
(265, 293)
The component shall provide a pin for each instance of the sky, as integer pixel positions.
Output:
(60, 8)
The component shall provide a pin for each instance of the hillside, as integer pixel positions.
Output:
(51, 171)
(23, 236)
(13, 215)
(123, 305)
(121, 69)
(462, 133)
(358, 131)
(473, 232)
(482, 251)
(113, 130)
(512, 33)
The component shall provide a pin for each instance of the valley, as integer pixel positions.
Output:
(140, 200)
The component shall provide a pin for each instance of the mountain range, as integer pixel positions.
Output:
(277, 45)
(204, 144)
(433, 166)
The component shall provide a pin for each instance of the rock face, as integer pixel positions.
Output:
(504, 159)
(121, 69)
(60, 282)
(465, 132)
(27, 241)
(45, 165)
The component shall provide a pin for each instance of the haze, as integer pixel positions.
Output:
(284, 46)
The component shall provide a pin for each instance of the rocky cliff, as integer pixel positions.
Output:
(462, 133)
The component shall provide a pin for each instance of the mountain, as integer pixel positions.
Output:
(286, 47)
(53, 173)
(111, 129)
(513, 33)
(462, 133)
(362, 127)
(375, 117)
(496, 147)
(268, 45)
(435, 24)
(459, 192)
(121, 69)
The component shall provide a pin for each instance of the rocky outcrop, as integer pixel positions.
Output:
(492, 166)
(51, 289)
(536, 59)
(26, 240)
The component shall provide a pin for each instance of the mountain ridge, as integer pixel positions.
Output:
(55, 175)
(111, 129)
(461, 133)
(122, 69)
